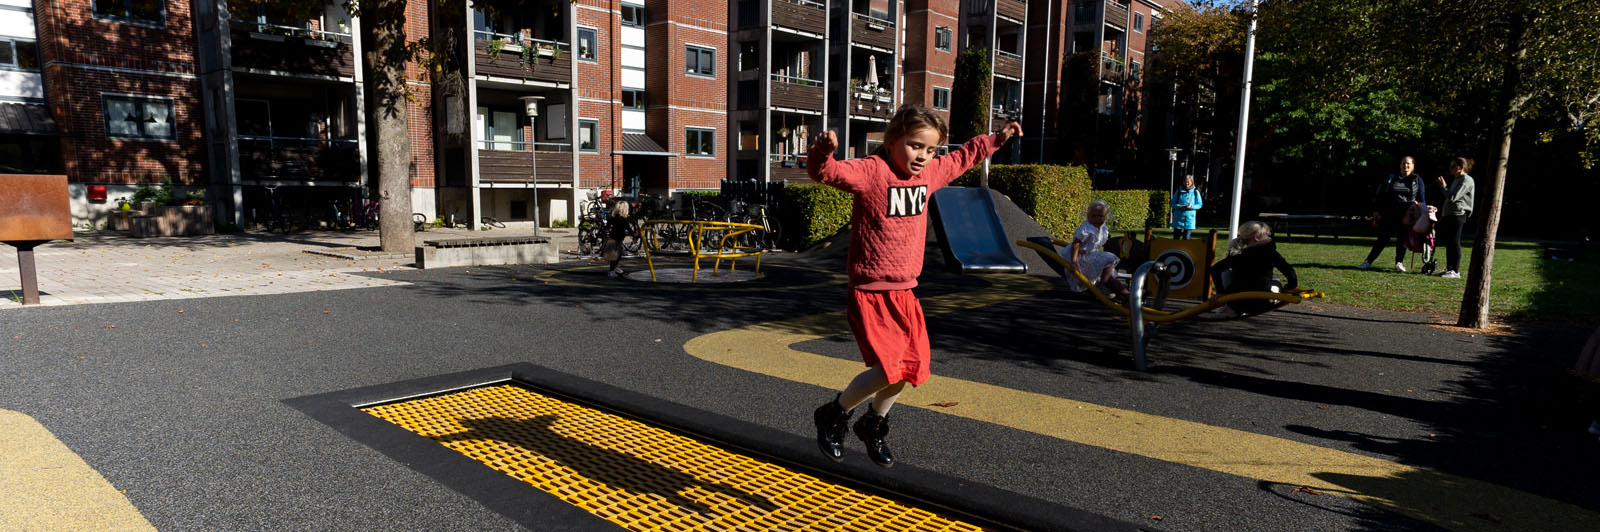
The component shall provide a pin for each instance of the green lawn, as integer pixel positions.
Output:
(1526, 285)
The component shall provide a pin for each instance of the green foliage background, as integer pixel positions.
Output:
(970, 97)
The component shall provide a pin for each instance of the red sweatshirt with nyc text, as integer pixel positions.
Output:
(889, 212)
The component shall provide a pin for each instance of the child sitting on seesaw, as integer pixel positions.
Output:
(1097, 265)
(1248, 268)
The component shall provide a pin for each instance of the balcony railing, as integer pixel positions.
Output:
(793, 80)
(874, 20)
(512, 145)
(272, 29)
(803, 15)
(796, 92)
(549, 60)
(298, 159)
(872, 31)
(1007, 64)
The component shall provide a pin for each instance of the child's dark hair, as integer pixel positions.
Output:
(909, 119)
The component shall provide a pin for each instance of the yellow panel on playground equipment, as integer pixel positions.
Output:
(642, 477)
(700, 239)
(1189, 262)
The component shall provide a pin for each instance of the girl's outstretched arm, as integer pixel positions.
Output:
(849, 176)
(957, 162)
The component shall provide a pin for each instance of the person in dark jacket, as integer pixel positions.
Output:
(618, 227)
(1397, 194)
(1248, 268)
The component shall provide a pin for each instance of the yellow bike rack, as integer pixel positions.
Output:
(724, 233)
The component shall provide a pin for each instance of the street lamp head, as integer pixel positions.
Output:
(530, 105)
(1172, 153)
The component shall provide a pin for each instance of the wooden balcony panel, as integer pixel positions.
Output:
(293, 160)
(804, 17)
(867, 109)
(1007, 65)
(1015, 9)
(499, 166)
(555, 69)
(299, 55)
(796, 96)
(1116, 14)
(793, 173)
(872, 33)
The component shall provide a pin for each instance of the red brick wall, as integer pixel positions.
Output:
(600, 81)
(683, 100)
(86, 57)
(419, 114)
(927, 67)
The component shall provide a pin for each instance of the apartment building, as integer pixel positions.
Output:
(1118, 32)
(259, 106)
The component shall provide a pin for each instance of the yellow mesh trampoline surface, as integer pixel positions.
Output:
(639, 476)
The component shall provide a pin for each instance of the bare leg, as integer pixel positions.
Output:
(865, 385)
(886, 397)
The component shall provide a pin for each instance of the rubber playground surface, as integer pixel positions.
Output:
(534, 398)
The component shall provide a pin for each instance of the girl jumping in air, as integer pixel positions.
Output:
(888, 233)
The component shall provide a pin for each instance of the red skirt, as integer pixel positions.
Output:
(891, 332)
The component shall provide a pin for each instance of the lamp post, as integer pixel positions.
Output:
(1172, 171)
(530, 106)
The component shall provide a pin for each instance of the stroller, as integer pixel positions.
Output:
(1419, 239)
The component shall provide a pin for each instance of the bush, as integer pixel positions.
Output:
(1055, 196)
(812, 213)
(1136, 210)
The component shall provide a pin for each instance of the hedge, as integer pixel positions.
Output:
(812, 213)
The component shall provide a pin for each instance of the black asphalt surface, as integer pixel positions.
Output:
(191, 407)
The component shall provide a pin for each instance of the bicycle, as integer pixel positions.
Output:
(277, 221)
(489, 222)
(756, 214)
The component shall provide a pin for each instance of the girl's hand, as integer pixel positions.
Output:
(1012, 129)
(825, 142)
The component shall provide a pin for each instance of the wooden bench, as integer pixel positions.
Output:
(1284, 225)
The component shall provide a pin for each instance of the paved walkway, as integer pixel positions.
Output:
(110, 267)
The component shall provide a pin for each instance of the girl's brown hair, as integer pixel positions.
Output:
(1463, 163)
(910, 119)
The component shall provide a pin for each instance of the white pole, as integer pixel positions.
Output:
(1244, 125)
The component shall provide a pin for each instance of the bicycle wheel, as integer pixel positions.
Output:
(489, 221)
(631, 242)
(773, 236)
(588, 237)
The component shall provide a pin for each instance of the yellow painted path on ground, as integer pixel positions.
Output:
(1454, 502)
(46, 486)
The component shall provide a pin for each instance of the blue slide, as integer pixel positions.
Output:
(969, 226)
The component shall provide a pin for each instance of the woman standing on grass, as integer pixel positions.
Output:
(1397, 194)
(1184, 203)
(1458, 199)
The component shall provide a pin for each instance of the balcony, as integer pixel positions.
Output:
(298, 159)
(1117, 14)
(869, 103)
(1111, 68)
(272, 48)
(1014, 9)
(497, 55)
(872, 31)
(1007, 64)
(504, 162)
(790, 167)
(796, 93)
(803, 15)
(1001, 115)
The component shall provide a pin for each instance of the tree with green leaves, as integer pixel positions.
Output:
(969, 106)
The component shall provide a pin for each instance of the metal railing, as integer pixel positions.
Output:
(874, 20)
(270, 28)
(796, 80)
(517, 145)
(1007, 54)
(515, 40)
(788, 160)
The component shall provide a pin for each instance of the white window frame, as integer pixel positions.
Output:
(947, 34)
(16, 54)
(1138, 22)
(595, 51)
(127, 18)
(936, 91)
(701, 51)
(644, 16)
(141, 101)
(593, 122)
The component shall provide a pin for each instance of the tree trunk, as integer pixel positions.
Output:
(1475, 302)
(387, 63)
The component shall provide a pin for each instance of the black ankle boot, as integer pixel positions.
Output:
(832, 420)
(871, 428)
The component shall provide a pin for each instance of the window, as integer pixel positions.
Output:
(139, 118)
(700, 61)
(1138, 22)
(701, 142)
(589, 135)
(1134, 69)
(588, 43)
(941, 98)
(146, 11)
(632, 15)
(23, 55)
(941, 38)
(633, 99)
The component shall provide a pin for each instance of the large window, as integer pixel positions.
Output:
(23, 55)
(700, 61)
(632, 15)
(588, 135)
(144, 11)
(633, 99)
(700, 142)
(588, 43)
(941, 98)
(138, 118)
(941, 38)
(1138, 22)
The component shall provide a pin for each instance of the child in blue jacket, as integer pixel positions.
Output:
(1184, 204)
